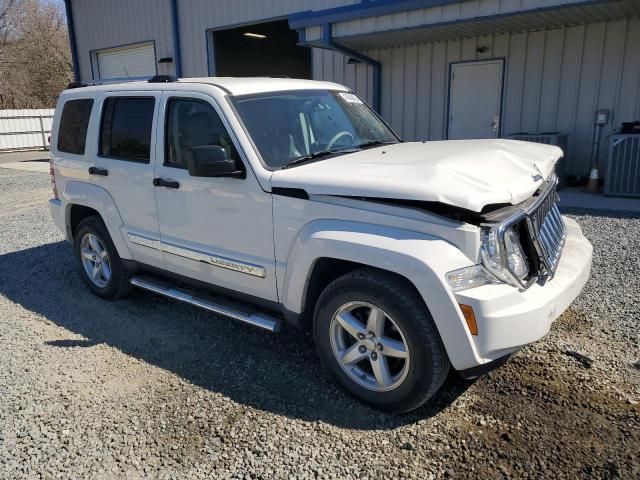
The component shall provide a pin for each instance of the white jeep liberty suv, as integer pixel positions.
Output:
(270, 199)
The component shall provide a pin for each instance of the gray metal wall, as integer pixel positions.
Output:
(103, 24)
(555, 81)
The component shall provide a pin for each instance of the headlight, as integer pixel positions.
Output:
(504, 259)
(491, 254)
(516, 261)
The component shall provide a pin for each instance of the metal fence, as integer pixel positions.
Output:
(25, 129)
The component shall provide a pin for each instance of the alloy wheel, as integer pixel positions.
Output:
(369, 346)
(95, 260)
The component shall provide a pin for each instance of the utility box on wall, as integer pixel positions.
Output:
(553, 138)
(623, 167)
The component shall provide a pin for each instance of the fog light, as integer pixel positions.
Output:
(470, 318)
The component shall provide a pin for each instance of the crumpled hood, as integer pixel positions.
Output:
(464, 173)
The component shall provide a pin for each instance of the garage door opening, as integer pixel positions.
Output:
(130, 61)
(264, 49)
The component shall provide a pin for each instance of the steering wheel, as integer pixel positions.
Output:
(338, 136)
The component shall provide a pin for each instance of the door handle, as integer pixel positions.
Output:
(98, 171)
(164, 182)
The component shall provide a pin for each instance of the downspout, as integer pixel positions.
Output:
(175, 20)
(72, 40)
(329, 43)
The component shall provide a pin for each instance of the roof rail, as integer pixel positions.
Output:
(111, 81)
(224, 89)
(162, 79)
(107, 81)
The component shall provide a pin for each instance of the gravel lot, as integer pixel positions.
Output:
(148, 388)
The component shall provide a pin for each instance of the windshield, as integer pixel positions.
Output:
(293, 126)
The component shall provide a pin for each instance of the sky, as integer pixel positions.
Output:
(60, 4)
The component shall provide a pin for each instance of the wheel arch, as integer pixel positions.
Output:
(326, 249)
(83, 200)
(77, 213)
(324, 271)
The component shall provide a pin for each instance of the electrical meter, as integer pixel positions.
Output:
(602, 117)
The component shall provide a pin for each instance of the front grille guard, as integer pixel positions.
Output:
(546, 231)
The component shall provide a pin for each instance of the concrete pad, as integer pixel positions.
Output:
(576, 198)
(27, 166)
(11, 157)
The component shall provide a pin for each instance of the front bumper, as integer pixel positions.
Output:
(484, 368)
(508, 318)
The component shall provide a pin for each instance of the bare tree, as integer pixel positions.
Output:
(35, 60)
(6, 8)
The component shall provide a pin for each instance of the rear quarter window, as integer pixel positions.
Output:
(72, 134)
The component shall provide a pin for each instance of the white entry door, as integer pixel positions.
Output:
(475, 99)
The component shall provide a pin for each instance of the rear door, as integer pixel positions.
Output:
(217, 230)
(124, 166)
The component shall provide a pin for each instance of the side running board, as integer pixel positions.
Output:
(216, 305)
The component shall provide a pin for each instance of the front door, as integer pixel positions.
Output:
(475, 99)
(217, 230)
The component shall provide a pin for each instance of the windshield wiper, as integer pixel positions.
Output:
(313, 156)
(372, 143)
(324, 153)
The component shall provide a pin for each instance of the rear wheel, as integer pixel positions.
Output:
(377, 339)
(100, 265)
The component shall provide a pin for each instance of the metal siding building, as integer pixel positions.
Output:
(561, 60)
(555, 80)
(100, 25)
(198, 17)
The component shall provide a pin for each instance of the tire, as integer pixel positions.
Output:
(405, 383)
(117, 284)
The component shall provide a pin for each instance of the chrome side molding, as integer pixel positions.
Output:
(220, 307)
(214, 260)
(198, 256)
(144, 241)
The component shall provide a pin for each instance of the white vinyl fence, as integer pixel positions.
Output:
(25, 129)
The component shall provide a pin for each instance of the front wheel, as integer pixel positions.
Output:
(377, 339)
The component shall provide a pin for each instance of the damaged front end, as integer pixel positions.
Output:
(521, 244)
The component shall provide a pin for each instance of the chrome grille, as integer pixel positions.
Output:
(547, 231)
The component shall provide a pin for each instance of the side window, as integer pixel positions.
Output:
(72, 133)
(125, 131)
(193, 123)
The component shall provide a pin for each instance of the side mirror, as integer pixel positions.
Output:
(211, 161)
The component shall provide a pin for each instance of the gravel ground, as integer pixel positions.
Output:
(148, 388)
